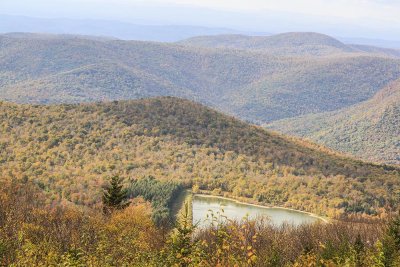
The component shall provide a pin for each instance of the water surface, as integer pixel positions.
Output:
(237, 211)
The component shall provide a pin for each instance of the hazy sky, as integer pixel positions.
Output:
(353, 9)
(364, 18)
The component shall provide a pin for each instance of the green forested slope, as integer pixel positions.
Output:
(68, 151)
(370, 130)
(251, 85)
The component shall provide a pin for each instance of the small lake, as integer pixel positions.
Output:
(237, 211)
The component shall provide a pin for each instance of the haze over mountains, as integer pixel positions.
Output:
(259, 79)
(108, 28)
(146, 31)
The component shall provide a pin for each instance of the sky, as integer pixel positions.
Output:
(356, 18)
(351, 9)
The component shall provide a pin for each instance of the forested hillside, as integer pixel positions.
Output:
(370, 130)
(69, 151)
(252, 85)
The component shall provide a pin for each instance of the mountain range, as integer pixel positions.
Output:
(257, 79)
(181, 25)
(255, 86)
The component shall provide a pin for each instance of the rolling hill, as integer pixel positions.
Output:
(285, 44)
(252, 85)
(68, 151)
(369, 130)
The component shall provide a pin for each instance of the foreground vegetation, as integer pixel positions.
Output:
(34, 233)
(68, 151)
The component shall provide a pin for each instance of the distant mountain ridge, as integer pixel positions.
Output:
(107, 28)
(44, 36)
(370, 130)
(292, 43)
(146, 32)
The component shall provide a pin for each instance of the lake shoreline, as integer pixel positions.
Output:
(325, 220)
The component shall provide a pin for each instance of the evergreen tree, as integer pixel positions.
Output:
(183, 250)
(115, 197)
(394, 231)
(391, 243)
(359, 249)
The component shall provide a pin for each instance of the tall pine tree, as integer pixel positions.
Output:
(115, 197)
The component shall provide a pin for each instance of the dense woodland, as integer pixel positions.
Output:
(369, 130)
(162, 195)
(68, 151)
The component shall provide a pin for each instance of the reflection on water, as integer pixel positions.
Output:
(237, 211)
